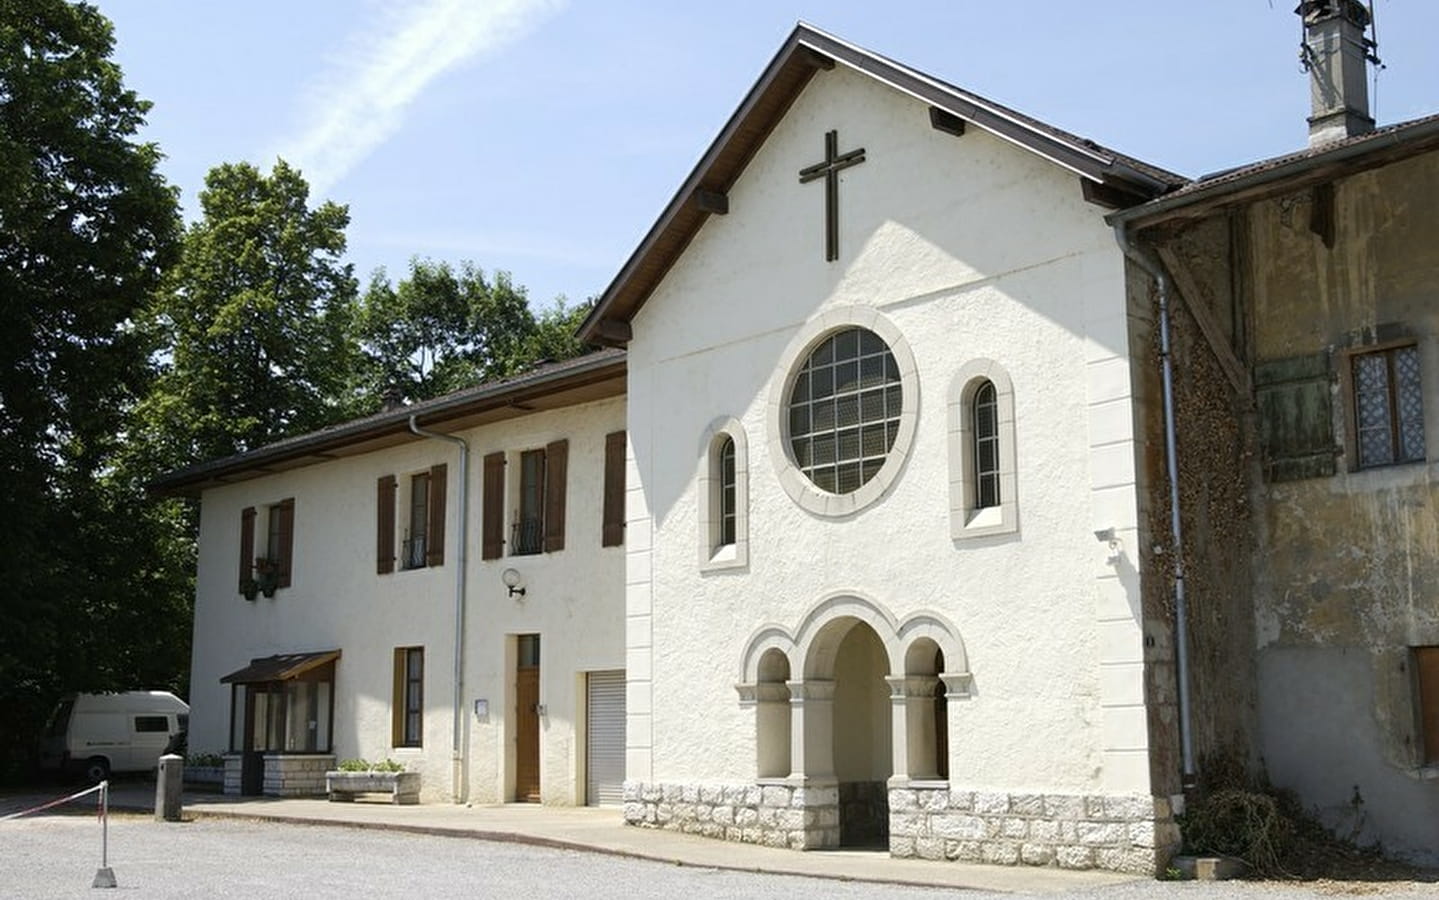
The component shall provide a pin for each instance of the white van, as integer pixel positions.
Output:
(97, 734)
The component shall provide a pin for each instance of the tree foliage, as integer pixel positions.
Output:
(256, 318)
(86, 227)
(133, 346)
(440, 330)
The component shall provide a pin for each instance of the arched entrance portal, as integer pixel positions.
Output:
(851, 654)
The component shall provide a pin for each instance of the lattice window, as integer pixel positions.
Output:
(1388, 407)
(844, 410)
(986, 446)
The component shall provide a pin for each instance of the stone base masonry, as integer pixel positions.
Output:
(1127, 833)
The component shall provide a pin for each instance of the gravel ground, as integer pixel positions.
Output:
(56, 856)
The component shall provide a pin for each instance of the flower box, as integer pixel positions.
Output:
(403, 787)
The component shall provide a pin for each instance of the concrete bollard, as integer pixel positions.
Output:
(168, 783)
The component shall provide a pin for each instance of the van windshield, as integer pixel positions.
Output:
(60, 719)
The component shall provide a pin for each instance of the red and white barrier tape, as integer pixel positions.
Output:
(53, 803)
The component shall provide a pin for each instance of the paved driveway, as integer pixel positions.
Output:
(56, 856)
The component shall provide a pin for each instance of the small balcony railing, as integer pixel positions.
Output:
(527, 536)
(412, 553)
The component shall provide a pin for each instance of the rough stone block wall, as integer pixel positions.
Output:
(232, 774)
(296, 776)
(775, 815)
(1134, 834)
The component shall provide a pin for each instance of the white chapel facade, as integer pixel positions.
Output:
(885, 389)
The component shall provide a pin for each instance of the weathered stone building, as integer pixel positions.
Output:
(1305, 299)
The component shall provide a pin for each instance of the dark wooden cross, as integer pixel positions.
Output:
(829, 170)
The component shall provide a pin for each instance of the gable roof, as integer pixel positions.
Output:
(1312, 165)
(807, 51)
(594, 376)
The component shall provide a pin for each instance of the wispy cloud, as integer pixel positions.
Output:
(361, 99)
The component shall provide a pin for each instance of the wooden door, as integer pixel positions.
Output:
(527, 720)
(252, 757)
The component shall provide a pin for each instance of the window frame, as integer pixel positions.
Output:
(408, 700)
(522, 541)
(417, 505)
(967, 517)
(1350, 359)
(796, 484)
(714, 551)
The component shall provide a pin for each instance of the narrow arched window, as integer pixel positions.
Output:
(985, 432)
(727, 491)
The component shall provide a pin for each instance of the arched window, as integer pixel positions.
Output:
(982, 498)
(985, 434)
(726, 492)
(723, 493)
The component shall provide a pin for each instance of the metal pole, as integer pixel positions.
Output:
(104, 876)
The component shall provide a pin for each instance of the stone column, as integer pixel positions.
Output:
(911, 700)
(811, 730)
(773, 726)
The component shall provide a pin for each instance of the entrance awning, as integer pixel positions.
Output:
(281, 667)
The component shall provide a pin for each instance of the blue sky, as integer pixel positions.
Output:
(543, 137)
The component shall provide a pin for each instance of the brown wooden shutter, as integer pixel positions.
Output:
(385, 526)
(557, 459)
(435, 539)
(613, 529)
(247, 545)
(492, 513)
(286, 511)
(1426, 662)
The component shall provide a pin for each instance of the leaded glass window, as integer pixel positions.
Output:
(727, 492)
(986, 446)
(1388, 407)
(844, 410)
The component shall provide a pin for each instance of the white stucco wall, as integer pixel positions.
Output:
(972, 248)
(573, 600)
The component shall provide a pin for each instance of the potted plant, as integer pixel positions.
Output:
(360, 776)
(267, 575)
(250, 589)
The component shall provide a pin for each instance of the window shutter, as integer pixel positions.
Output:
(385, 526)
(435, 539)
(1295, 428)
(287, 540)
(613, 531)
(492, 514)
(1426, 660)
(247, 545)
(557, 456)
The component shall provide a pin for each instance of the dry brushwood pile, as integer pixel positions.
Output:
(1277, 838)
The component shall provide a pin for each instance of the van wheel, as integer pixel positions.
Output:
(97, 769)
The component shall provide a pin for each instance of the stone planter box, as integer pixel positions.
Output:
(403, 787)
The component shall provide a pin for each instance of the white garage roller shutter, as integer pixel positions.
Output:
(605, 754)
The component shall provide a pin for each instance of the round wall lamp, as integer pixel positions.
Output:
(514, 581)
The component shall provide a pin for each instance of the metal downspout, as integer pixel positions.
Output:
(461, 784)
(1176, 533)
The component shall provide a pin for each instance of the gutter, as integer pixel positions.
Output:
(458, 755)
(1146, 262)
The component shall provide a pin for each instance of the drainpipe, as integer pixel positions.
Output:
(461, 786)
(1176, 534)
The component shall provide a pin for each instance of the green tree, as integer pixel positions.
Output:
(441, 329)
(86, 226)
(257, 318)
